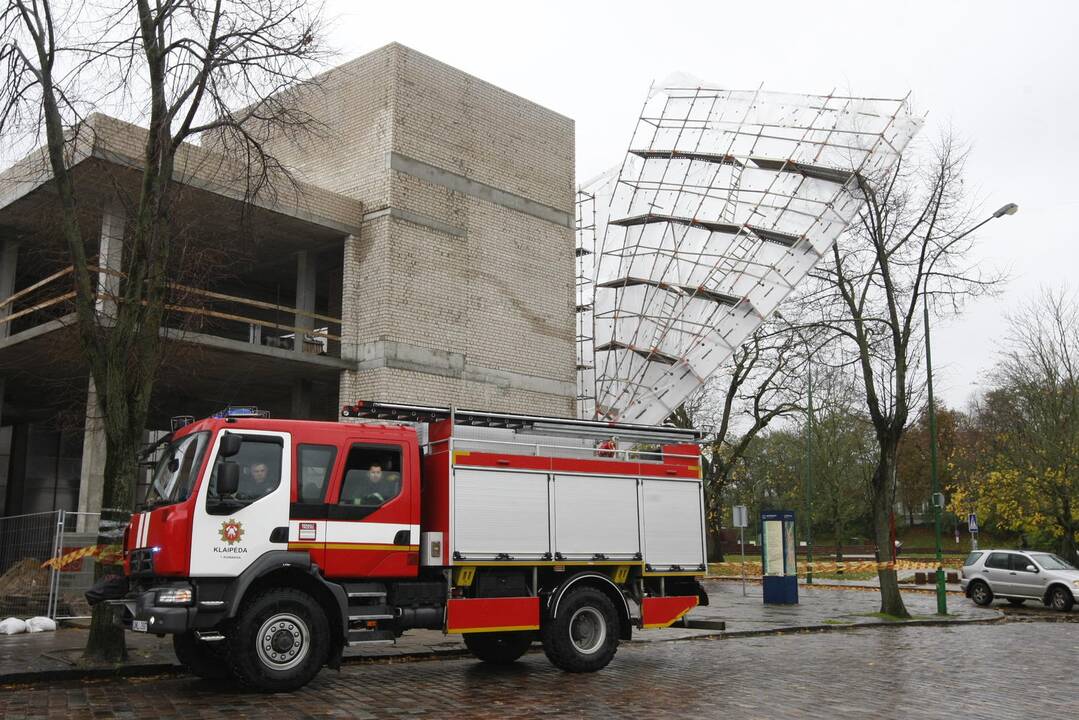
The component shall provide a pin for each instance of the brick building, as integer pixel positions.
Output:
(425, 255)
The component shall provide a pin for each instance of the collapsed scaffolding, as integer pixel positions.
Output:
(725, 201)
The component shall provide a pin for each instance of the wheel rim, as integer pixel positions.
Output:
(283, 641)
(587, 630)
(979, 594)
(1058, 600)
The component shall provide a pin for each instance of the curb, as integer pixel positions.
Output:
(832, 586)
(121, 671)
(851, 626)
(151, 669)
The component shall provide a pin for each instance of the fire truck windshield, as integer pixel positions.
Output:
(177, 470)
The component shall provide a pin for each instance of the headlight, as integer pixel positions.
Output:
(1075, 583)
(174, 596)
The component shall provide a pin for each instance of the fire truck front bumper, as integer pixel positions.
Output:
(159, 610)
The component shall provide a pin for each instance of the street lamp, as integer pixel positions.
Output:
(938, 504)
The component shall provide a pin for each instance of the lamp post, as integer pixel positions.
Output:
(809, 473)
(938, 497)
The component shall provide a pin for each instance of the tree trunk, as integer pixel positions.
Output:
(891, 602)
(1068, 549)
(106, 640)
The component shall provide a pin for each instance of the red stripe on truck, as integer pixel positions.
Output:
(473, 615)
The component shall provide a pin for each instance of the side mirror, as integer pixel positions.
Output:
(230, 444)
(228, 478)
(1031, 568)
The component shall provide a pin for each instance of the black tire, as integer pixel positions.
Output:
(499, 648)
(584, 636)
(980, 593)
(205, 659)
(1060, 598)
(1016, 602)
(280, 641)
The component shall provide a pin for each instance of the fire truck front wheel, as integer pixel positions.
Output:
(499, 648)
(584, 635)
(280, 641)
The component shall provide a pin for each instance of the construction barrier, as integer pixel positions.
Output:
(833, 567)
(103, 553)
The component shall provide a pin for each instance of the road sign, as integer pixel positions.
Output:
(972, 522)
(740, 517)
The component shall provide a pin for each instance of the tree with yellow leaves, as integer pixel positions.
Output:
(1029, 479)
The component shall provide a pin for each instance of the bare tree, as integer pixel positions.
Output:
(907, 247)
(761, 385)
(188, 69)
(841, 452)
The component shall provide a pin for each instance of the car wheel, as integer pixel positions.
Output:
(1060, 598)
(584, 636)
(280, 641)
(207, 660)
(1016, 602)
(501, 648)
(980, 593)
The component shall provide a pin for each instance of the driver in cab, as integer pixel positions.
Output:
(378, 486)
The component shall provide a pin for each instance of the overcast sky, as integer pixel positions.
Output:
(1002, 75)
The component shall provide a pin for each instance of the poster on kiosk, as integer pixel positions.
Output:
(777, 557)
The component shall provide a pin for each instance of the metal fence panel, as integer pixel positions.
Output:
(26, 542)
(79, 531)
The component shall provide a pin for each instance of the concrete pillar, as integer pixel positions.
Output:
(351, 257)
(9, 257)
(4, 456)
(301, 400)
(305, 295)
(350, 297)
(110, 257)
(92, 475)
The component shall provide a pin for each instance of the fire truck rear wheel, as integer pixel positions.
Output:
(584, 636)
(280, 641)
(499, 648)
(205, 659)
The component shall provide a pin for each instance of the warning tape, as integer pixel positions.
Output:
(842, 567)
(104, 554)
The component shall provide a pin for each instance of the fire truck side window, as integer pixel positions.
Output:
(372, 476)
(316, 464)
(260, 470)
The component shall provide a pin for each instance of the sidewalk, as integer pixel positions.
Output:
(28, 657)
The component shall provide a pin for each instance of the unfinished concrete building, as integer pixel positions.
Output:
(426, 256)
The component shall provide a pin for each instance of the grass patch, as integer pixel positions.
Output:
(866, 575)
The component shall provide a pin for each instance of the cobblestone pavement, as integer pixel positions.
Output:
(1000, 670)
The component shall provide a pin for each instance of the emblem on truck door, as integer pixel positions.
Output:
(232, 531)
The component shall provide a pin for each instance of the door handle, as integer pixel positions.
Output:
(403, 537)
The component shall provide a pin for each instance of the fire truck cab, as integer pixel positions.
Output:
(267, 546)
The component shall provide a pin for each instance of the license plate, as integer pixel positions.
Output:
(139, 625)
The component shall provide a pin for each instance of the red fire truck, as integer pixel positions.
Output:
(266, 546)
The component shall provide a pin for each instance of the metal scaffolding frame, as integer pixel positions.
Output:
(725, 201)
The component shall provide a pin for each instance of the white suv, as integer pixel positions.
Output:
(1018, 576)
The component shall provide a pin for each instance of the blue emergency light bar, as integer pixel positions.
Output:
(241, 411)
